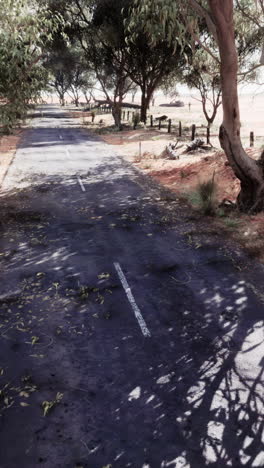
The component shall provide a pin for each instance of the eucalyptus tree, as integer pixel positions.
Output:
(219, 16)
(82, 82)
(119, 50)
(59, 66)
(25, 28)
(99, 27)
(69, 71)
(203, 75)
(150, 66)
(152, 58)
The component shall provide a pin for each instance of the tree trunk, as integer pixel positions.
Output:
(116, 112)
(87, 99)
(75, 97)
(61, 94)
(146, 97)
(250, 174)
(144, 107)
(210, 119)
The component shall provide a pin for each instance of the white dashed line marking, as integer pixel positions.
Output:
(81, 184)
(60, 136)
(132, 301)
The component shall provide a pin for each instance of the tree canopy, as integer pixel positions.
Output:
(25, 29)
(224, 20)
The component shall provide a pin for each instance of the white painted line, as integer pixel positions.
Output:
(81, 184)
(132, 301)
(61, 138)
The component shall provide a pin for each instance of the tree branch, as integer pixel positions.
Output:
(245, 73)
(204, 13)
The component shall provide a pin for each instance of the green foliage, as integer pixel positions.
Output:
(100, 30)
(70, 72)
(25, 29)
(161, 20)
(157, 45)
(189, 23)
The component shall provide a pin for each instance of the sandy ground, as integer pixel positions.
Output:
(251, 110)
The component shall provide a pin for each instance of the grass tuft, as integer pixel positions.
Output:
(204, 197)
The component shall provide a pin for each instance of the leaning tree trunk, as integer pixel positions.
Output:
(248, 171)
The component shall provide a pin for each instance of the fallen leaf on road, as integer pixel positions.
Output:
(104, 276)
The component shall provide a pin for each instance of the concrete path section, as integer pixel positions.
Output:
(129, 337)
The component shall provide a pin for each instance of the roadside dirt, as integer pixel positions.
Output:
(8, 146)
(145, 149)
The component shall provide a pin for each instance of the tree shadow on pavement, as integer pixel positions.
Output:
(189, 396)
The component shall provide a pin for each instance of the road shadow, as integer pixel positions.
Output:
(189, 396)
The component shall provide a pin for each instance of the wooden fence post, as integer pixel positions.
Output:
(193, 131)
(169, 126)
(251, 139)
(151, 120)
(180, 129)
(159, 124)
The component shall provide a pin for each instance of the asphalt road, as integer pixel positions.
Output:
(138, 334)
